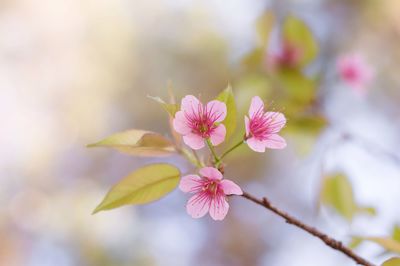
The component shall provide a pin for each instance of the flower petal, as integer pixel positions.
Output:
(230, 188)
(217, 136)
(256, 145)
(211, 173)
(217, 109)
(275, 142)
(256, 105)
(247, 125)
(198, 205)
(180, 123)
(194, 141)
(191, 105)
(219, 208)
(278, 121)
(190, 183)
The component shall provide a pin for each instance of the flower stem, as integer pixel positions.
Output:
(211, 147)
(231, 149)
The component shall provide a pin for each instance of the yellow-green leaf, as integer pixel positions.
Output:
(392, 262)
(138, 142)
(264, 25)
(387, 243)
(299, 35)
(299, 88)
(337, 192)
(306, 124)
(145, 185)
(171, 108)
(396, 233)
(230, 121)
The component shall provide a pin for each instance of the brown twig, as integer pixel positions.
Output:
(333, 243)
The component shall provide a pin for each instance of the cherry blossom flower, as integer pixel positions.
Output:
(210, 193)
(197, 122)
(262, 127)
(354, 71)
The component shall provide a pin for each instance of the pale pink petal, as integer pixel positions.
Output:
(211, 173)
(278, 120)
(256, 105)
(230, 188)
(275, 142)
(218, 109)
(219, 208)
(247, 125)
(198, 205)
(190, 105)
(256, 145)
(190, 183)
(217, 136)
(180, 123)
(194, 141)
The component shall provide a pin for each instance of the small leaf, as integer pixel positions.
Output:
(299, 88)
(145, 185)
(355, 242)
(396, 233)
(387, 243)
(306, 124)
(337, 192)
(298, 34)
(264, 25)
(392, 262)
(230, 121)
(171, 108)
(138, 142)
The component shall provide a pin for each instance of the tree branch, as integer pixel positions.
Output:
(333, 243)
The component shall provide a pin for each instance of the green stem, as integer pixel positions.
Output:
(231, 149)
(211, 147)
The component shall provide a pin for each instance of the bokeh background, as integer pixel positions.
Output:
(73, 72)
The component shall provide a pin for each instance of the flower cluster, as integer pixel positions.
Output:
(202, 124)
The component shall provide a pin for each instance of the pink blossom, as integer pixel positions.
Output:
(287, 56)
(262, 127)
(355, 72)
(197, 122)
(210, 193)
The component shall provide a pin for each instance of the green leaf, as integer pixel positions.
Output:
(396, 233)
(392, 262)
(298, 34)
(264, 25)
(337, 192)
(230, 121)
(254, 59)
(145, 185)
(387, 243)
(306, 124)
(299, 88)
(138, 142)
(355, 242)
(171, 108)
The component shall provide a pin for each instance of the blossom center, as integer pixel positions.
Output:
(202, 122)
(262, 125)
(212, 187)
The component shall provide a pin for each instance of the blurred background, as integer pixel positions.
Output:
(73, 72)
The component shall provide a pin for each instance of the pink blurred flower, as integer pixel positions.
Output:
(287, 56)
(355, 72)
(262, 127)
(210, 193)
(197, 122)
